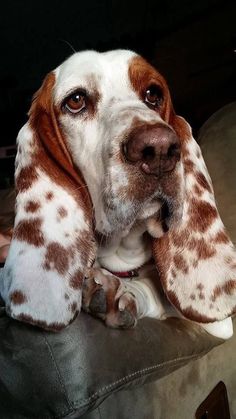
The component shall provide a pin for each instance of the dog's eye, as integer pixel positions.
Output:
(154, 96)
(75, 103)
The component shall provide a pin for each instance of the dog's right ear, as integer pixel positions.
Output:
(53, 240)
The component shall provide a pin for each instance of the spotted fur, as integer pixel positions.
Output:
(71, 179)
(201, 246)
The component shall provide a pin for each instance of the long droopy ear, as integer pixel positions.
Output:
(196, 259)
(53, 234)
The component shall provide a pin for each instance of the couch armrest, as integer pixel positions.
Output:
(49, 375)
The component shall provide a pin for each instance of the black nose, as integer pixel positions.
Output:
(154, 148)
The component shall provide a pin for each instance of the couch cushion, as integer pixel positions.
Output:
(218, 142)
(50, 375)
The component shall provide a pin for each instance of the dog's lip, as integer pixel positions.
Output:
(165, 210)
(166, 214)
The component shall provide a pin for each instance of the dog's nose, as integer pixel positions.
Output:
(156, 149)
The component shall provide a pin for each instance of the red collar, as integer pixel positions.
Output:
(125, 274)
(134, 273)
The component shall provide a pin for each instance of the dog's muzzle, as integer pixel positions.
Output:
(155, 149)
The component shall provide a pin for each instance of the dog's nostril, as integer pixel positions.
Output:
(124, 149)
(148, 153)
(173, 151)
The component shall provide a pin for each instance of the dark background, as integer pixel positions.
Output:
(192, 43)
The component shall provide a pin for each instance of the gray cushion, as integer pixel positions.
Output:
(46, 375)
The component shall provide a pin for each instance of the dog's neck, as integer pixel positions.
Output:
(126, 251)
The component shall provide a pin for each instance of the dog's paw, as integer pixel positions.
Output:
(108, 297)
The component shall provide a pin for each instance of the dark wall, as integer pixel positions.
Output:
(191, 43)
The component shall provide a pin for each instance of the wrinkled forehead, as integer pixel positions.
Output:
(94, 69)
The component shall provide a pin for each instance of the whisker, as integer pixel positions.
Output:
(68, 43)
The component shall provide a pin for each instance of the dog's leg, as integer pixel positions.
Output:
(119, 302)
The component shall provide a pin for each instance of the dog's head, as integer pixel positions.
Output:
(103, 148)
(115, 114)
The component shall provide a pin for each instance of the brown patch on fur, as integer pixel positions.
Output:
(201, 296)
(17, 297)
(66, 296)
(173, 273)
(188, 166)
(200, 286)
(30, 231)
(56, 258)
(180, 263)
(202, 214)
(161, 252)
(179, 239)
(85, 246)
(62, 212)
(216, 293)
(49, 196)
(228, 288)
(54, 327)
(197, 190)
(203, 250)
(25, 178)
(183, 131)
(192, 243)
(32, 206)
(193, 297)
(201, 180)
(194, 315)
(76, 281)
(52, 155)
(221, 237)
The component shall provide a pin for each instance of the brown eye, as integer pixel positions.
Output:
(75, 103)
(154, 96)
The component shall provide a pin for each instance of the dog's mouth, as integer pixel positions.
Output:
(165, 215)
(159, 216)
(130, 197)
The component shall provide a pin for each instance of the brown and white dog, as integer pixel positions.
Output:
(107, 172)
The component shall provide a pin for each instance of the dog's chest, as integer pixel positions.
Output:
(125, 253)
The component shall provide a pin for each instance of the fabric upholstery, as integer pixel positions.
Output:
(50, 375)
(177, 395)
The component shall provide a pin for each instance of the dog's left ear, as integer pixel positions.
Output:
(53, 242)
(196, 259)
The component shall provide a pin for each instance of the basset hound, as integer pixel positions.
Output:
(115, 209)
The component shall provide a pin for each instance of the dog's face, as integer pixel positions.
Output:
(115, 113)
